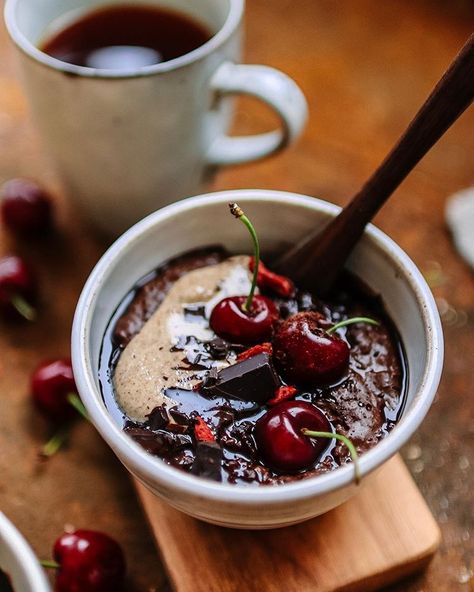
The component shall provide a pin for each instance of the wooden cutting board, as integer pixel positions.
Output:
(379, 536)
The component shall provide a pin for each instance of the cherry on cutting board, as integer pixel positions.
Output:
(233, 323)
(51, 384)
(308, 355)
(280, 441)
(88, 561)
(26, 207)
(18, 288)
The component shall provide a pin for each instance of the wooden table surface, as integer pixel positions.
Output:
(365, 67)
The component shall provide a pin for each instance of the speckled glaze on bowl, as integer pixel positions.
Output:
(281, 219)
(18, 560)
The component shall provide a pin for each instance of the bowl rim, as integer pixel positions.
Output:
(27, 561)
(151, 469)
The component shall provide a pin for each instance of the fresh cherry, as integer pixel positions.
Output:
(231, 322)
(89, 561)
(280, 441)
(245, 320)
(26, 208)
(18, 288)
(51, 385)
(308, 355)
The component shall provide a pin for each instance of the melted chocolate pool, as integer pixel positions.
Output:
(365, 406)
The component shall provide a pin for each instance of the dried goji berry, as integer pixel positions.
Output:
(202, 431)
(279, 284)
(253, 351)
(283, 393)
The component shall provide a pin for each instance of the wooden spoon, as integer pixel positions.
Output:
(316, 261)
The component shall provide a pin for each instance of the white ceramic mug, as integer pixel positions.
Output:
(126, 142)
(204, 220)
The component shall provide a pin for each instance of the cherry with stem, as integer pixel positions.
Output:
(54, 393)
(245, 320)
(291, 437)
(309, 355)
(87, 560)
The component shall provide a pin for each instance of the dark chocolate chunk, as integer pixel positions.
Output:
(208, 461)
(253, 379)
(159, 442)
(218, 348)
(158, 418)
(179, 417)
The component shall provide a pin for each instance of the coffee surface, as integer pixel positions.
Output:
(126, 37)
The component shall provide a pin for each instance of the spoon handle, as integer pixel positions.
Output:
(316, 261)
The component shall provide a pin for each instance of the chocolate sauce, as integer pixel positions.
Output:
(364, 406)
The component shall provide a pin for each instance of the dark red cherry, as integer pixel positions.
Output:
(26, 208)
(231, 322)
(17, 286)
(308, 355)
(51, 383)
(89, 561)
(280, 443)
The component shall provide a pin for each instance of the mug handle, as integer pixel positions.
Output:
(275, 89)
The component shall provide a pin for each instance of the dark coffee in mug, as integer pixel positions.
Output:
(126, 37)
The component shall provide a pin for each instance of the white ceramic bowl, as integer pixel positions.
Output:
(18, 560)
(281, 219)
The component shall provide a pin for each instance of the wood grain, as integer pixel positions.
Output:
(383, 534)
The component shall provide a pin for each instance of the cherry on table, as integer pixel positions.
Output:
(18, 288)
(280, 441)
(51, 384)
(233, 323)
(89, 561)
(26, 207)
(308, 355)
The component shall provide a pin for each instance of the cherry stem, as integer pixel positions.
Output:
(345, 440)
(23, 307)
(237, 211)
(78, 405)
(49, 564)
(352, 321)
(55, 443)
(57, 440)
